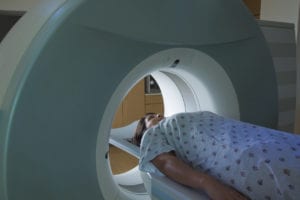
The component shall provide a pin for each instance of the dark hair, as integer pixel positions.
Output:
(140, 129)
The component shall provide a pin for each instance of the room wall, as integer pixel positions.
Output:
(297, 125)
(17, 5)
(286, 11)
(280, 11)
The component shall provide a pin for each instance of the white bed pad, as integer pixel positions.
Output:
(161, 186)
(120, 137)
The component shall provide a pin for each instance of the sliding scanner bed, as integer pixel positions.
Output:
(67, 64)
(159, 187)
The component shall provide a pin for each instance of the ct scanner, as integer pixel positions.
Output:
(67, 64)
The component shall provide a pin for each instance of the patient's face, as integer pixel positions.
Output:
(153, 119)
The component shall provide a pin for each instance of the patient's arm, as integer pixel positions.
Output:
(177, 170)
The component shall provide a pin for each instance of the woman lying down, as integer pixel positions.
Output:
(227, 159)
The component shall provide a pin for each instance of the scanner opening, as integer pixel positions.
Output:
(197, 82)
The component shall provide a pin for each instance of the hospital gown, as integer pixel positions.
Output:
(261, 163)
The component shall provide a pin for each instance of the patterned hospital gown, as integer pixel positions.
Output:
(261, 163)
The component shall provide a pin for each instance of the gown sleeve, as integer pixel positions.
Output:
(153, 144)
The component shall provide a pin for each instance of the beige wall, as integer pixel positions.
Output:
(17, 5)
(280, 10)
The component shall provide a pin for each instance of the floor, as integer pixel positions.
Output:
(121, 161)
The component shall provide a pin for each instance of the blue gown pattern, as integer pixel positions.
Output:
(260, 162)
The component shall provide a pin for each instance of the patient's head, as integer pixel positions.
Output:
(149, 120)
